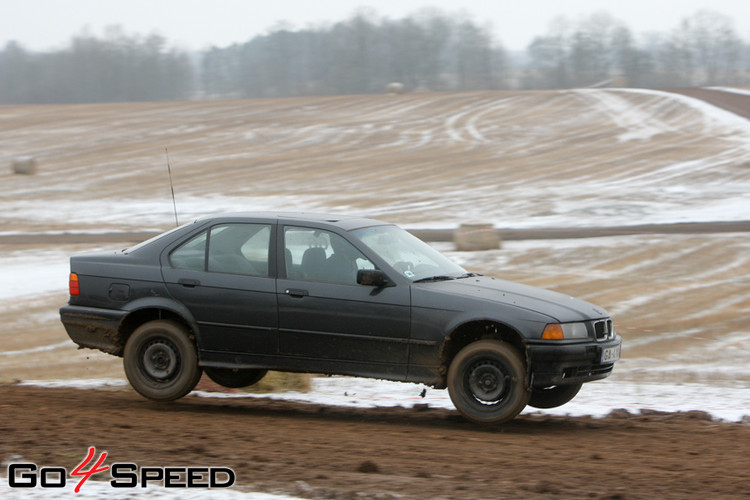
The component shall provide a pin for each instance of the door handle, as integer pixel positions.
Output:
(296, 292)
(189, 283)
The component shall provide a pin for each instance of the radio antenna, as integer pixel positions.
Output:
(171, 185)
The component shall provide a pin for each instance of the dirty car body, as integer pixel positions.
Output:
(238, 294)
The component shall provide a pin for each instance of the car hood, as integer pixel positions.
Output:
(557, 306)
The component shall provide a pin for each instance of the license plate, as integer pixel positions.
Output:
(610, 354)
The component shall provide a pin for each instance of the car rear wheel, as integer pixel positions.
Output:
(235, 378)
(552, 397)
(161, 362)
(487, 382)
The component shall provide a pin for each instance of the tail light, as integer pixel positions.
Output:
(73, 285)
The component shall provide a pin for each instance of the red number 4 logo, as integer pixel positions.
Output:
(95, 469)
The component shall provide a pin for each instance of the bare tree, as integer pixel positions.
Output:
(550, 57)
(430, 49)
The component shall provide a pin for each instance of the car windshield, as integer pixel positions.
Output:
(408, 255)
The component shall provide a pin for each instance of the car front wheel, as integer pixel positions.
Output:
(487, 382)
(161, 362)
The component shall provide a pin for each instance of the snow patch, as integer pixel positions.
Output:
(717, 119)
(43, 348)
(640, 122)
(732, 90)
(94, 490)
(730, 403)
(37, 273)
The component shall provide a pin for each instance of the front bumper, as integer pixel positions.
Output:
(563, 364)
(93, 327)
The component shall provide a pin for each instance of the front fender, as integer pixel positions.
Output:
(468, 328)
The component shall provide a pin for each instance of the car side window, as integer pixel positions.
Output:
(316, 255)
(239, 249)
(191, 255)
(227, 248)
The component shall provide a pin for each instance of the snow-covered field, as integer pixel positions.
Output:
(535, 159)
(530, 159)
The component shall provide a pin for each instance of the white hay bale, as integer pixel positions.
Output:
(24, 165)
(472, 237)
(395, 88)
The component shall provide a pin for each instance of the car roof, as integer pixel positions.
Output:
(345, 222)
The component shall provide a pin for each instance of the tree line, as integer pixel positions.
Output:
(429, 50)
(115, 68)
(703, 49)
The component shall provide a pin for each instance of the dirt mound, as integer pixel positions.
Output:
(318, 451)
(736, 103)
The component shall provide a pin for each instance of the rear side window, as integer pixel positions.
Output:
(191, 255)
(226, 248)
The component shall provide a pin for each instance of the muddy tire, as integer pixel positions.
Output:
(235, 378)
(552, 397)
(161, 362)
(487, 382)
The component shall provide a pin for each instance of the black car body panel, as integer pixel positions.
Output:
(94, 327)
(569, 363)
(243, 286)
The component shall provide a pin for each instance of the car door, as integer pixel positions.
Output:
(223, 275)
(325, 315)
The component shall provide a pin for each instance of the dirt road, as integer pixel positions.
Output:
(316, 451)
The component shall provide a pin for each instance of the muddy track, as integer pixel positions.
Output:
(736, 103)
(315, 451)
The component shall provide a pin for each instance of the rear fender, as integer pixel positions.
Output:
(161, 305)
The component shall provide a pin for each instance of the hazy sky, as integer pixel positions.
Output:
(197, 24)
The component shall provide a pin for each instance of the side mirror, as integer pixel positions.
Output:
(373, 277)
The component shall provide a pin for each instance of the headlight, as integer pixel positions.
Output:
(575, 330)
(565, 331)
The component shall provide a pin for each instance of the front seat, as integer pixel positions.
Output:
(312, 264)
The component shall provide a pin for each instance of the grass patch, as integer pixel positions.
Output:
(272, 382)
(281, 382)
